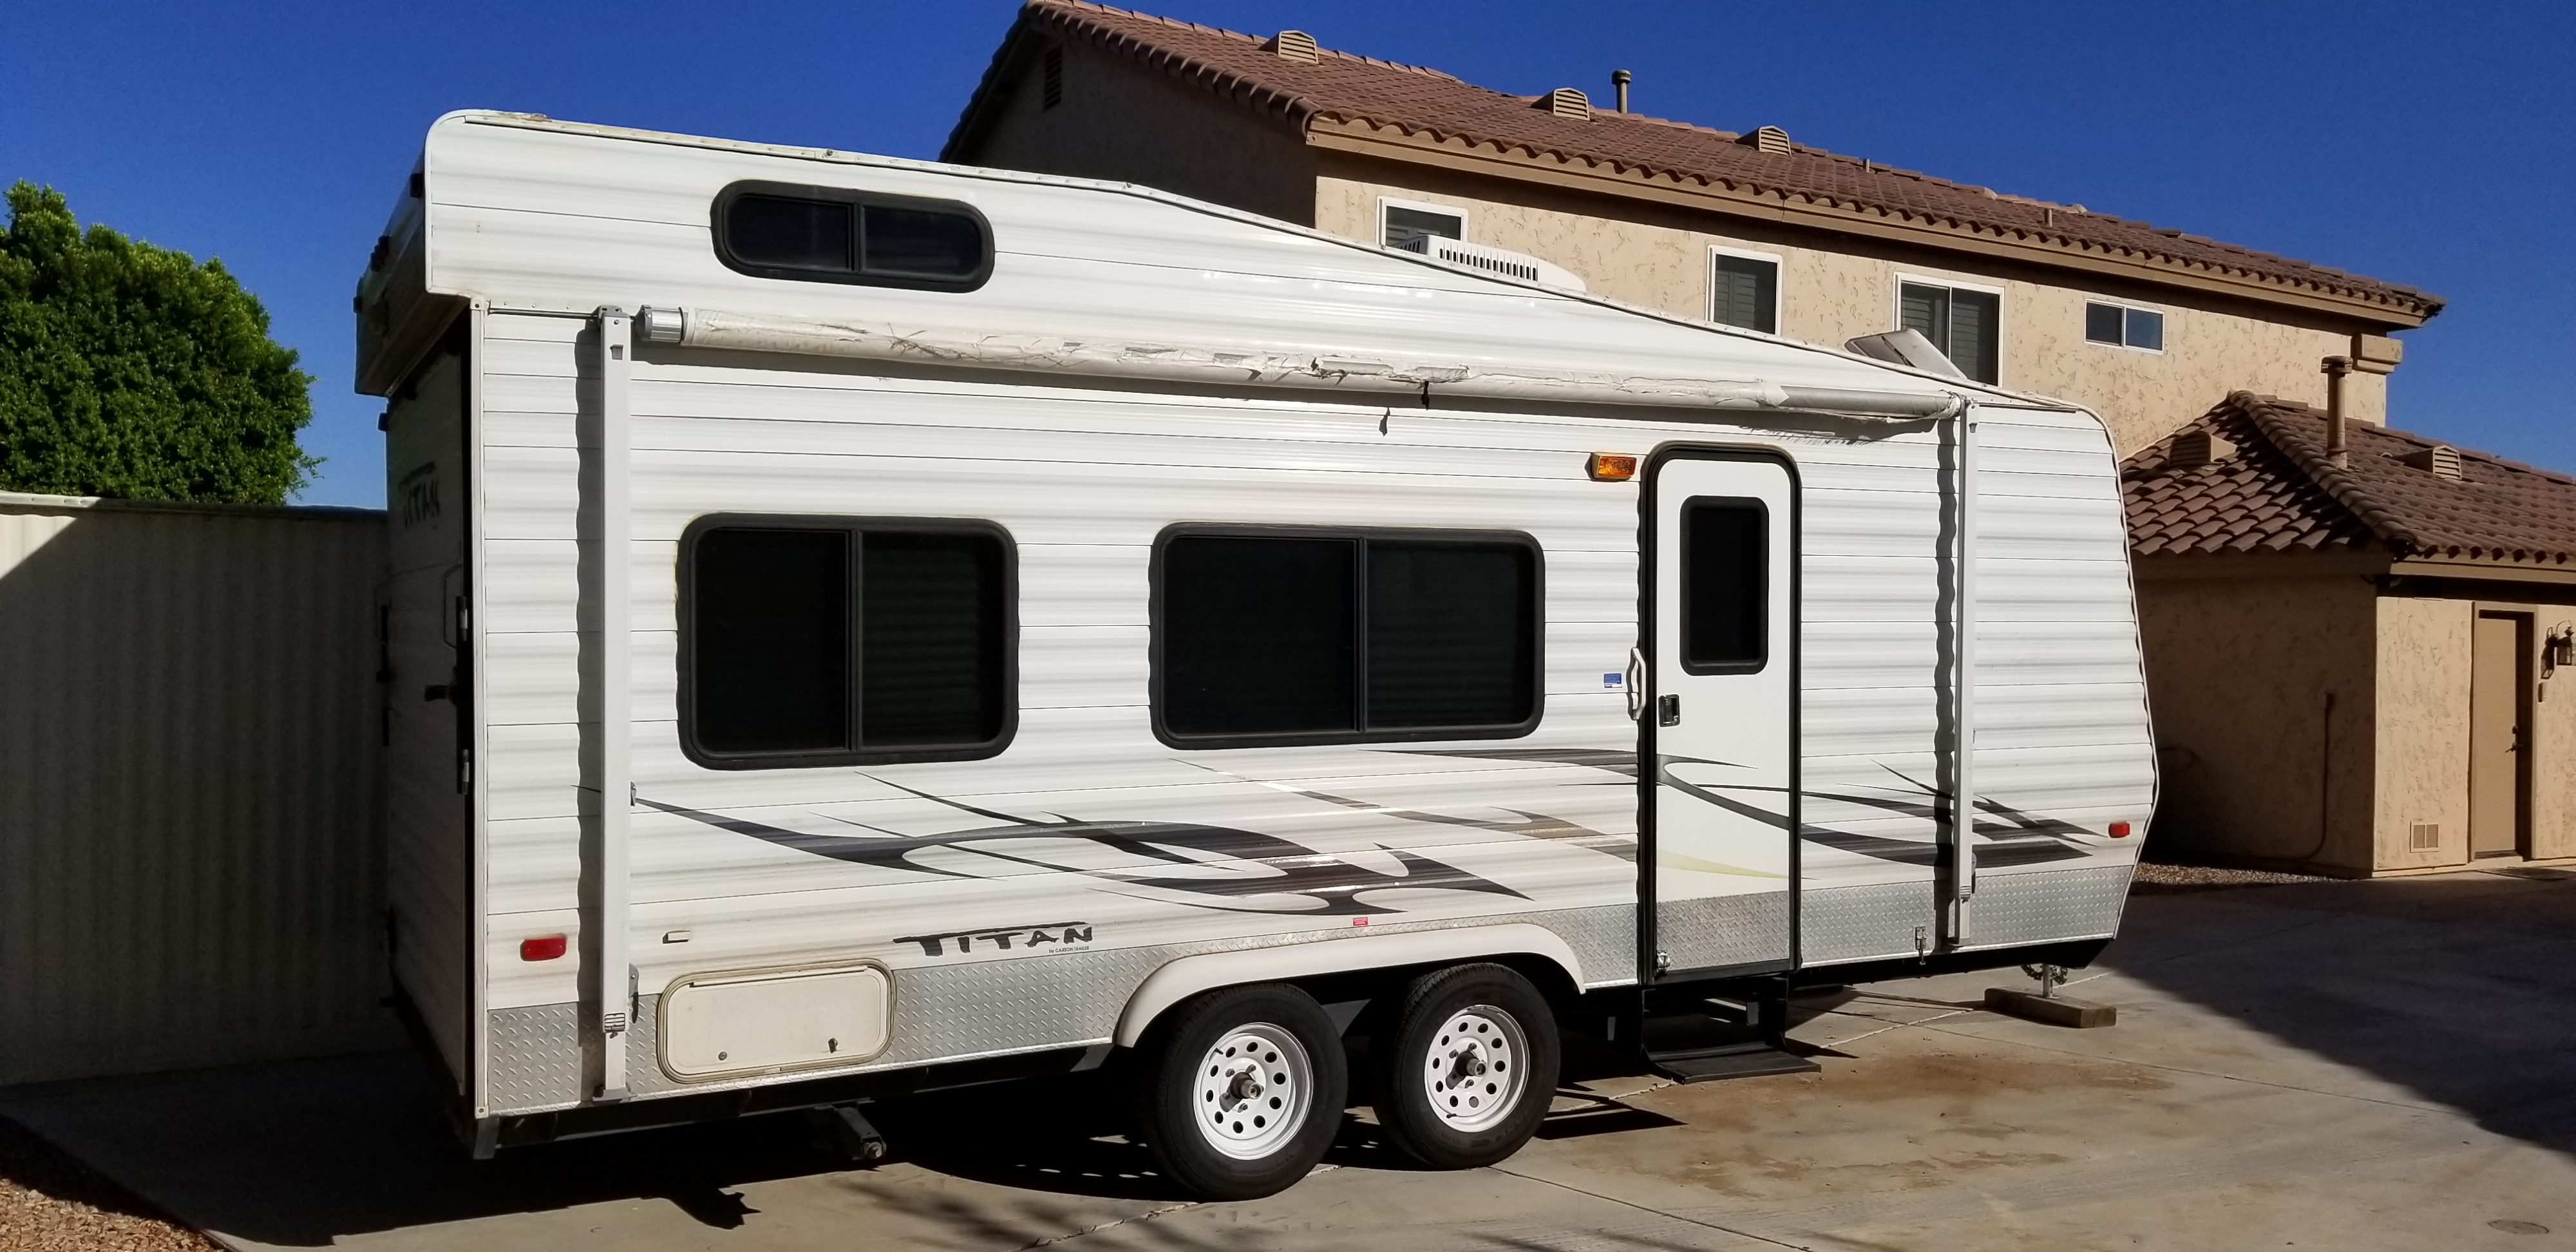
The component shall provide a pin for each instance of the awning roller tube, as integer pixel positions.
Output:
(746, 332)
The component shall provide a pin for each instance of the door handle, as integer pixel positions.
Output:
(1668, 710)
(1636, 681)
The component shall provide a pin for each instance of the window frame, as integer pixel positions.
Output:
(858, 200)
(1156, 703)
(1419, 206)
(1779, 273)
(2126, 308)
(2003, 322)
(857, 527)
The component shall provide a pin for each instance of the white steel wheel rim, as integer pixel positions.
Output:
(1476, 1069)
(1252, 1091)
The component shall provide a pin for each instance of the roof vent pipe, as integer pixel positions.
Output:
(1619, 80)
(2338, 452)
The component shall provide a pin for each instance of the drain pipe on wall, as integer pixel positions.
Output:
(2338, 453)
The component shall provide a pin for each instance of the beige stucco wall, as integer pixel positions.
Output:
(2423, 729)
(1117, 122)
(1660, 258)
(2239, 673)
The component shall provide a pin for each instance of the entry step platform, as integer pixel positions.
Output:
(1747, 1060)
(1702, 1040)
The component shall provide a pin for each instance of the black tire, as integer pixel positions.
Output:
(1240, 1153)
(1473, 1064)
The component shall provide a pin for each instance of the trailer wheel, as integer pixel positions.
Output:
(1472, 1068)
(1243, 1091)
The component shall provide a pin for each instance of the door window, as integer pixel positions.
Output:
(1725, 551)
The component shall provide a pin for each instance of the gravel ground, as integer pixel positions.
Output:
(2156, 880)
(51, 1203)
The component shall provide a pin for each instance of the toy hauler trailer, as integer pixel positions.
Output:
(859, 625)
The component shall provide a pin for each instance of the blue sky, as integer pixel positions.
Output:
(2433, 145)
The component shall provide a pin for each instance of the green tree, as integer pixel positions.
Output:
(130, 370)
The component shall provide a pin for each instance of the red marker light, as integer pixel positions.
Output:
(1359, 921)
(2119, 830)
(541, 948)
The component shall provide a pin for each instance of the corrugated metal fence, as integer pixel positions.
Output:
(190, 848)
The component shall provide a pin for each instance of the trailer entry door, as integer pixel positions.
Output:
(1720, 720)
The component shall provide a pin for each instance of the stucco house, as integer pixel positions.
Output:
(2146, 325)
(2364, 668)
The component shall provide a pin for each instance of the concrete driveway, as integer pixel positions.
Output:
(2343, 1065)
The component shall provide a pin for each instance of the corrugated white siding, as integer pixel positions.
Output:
(190, 861)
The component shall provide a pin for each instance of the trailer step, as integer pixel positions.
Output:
(1750, 1060)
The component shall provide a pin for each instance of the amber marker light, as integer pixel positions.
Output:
(1610, 467)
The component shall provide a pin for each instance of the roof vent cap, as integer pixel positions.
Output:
(1293, 45)
(1766, 139)
(1568, 103)
(2195, 448)
(2441, 461)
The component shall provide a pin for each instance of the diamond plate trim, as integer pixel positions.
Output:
(1861, 923)
(1723, 930)
(2014, 909)
(536, 1058)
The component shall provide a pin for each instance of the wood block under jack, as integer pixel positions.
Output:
(2053, 1011)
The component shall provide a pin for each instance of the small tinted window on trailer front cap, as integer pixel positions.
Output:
(844, 235)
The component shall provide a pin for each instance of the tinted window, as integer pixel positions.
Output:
(1745, 292)
(800, 234)
(1450, 634)
(1409, 229)
(1725, 608)
(1967, 326)
(2145, 329)
(930, 244)
(771, 610)
(838, 234)
(1338, 637)
(828, 641)
(931, 663)
(1257, 635)
(2102, 323)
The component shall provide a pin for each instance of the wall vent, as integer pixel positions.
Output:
(2441, 461)
(1053, 75)
(1294, 45)
(2424, 837)
(1766, 139)
(1568, 103)
(2194, 448)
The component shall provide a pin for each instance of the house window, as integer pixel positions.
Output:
(1964, 323)
(1408, 226)
(830, 641)
(1294, 635)
(2123, 326)
(839, 235)
(1744, 291)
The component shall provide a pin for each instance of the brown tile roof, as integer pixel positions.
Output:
(1345, 88)
(2278, 493)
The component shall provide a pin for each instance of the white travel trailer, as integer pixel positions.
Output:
(859, 625)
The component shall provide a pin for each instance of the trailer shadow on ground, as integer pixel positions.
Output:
(2456, 992)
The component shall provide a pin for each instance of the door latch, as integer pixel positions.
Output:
(1668, 710)
(1635, 681)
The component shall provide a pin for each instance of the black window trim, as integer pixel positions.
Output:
(1760, 508)
(1362, 534)
(856, 526)
(858, 200)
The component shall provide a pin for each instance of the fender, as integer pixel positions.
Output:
(1178, 980)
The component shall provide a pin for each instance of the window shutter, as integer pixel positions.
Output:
(1745, 293)
(1975, 323)
(1926, 310)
